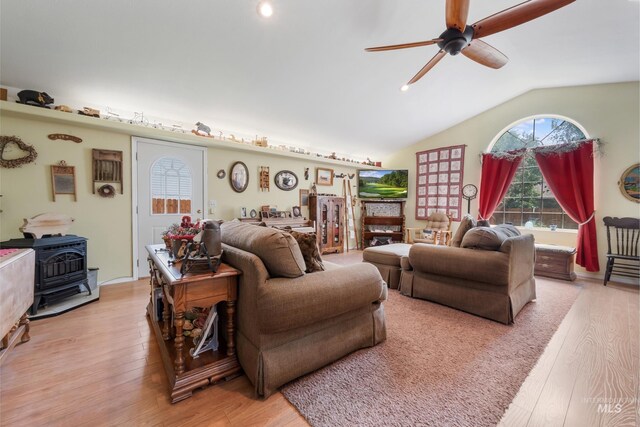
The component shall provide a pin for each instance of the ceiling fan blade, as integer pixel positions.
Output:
(427, 67)
(457, 12)
(403, 45)
(516, 15)
(484, 54)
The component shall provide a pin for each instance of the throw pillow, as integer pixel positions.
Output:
(278, 250)
(488, 238)
(310, 251)
(466, 224)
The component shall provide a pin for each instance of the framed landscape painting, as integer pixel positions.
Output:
(630, 183)
(324, 176)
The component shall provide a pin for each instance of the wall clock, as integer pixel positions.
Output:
(469, 192)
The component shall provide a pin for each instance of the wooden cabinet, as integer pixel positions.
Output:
(328, 213)
(180, 293)
(382, 220)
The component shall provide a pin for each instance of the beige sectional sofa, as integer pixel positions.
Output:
(289, 322)
(490, 274)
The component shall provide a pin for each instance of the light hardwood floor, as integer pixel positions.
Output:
(99, 365)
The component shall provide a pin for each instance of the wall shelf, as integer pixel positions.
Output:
(21, 111)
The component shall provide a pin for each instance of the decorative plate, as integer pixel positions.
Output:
(286, 180)
(221, 174)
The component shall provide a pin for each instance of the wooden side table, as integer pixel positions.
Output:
(180, 293)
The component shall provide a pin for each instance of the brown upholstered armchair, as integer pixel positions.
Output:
(437, 231)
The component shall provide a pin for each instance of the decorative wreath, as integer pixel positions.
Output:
(14, 163)
(107, 190)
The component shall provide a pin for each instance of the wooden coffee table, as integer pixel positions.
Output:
(180, 293)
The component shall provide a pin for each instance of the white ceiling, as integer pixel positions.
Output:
(302, 77)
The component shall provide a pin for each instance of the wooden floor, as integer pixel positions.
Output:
(99, 365)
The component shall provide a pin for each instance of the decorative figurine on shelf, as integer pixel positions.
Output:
(314, 190)
(33, 97)
(88, 111)
(64, 108)
(202, 129)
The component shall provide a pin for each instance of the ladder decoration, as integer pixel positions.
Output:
(264, 178)
(350, 215)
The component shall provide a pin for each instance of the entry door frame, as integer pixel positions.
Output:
(135, 261)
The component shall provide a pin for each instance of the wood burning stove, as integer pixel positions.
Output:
(61, 267)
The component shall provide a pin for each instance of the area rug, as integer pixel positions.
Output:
(438, 366)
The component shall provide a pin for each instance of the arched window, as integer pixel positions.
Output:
(529, 199)
(170, 187)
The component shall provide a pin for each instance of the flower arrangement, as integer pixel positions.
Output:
(185, 230)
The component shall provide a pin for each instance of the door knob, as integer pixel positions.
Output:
(199, 211)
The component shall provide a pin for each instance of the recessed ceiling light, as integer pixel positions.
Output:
(265, 9)
(404, 88)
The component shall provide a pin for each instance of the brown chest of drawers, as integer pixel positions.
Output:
(555, 261)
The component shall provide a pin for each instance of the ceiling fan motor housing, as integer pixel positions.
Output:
(454, 40)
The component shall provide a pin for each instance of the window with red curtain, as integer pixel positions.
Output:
(568, 169)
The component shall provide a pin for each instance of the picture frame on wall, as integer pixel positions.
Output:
(630, 183)
(286, 180)
(304, 197)
(324, 176)
(297, 213)
(239, 177)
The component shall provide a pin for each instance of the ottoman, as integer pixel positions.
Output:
(387, 259)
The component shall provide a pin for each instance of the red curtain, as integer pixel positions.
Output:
(497, 173)
(569, 175)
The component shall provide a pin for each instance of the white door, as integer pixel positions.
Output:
(171, 183)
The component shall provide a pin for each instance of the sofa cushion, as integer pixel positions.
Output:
(277, 249)
(488, 238)
(386, 254)
(308, 244)
(466, 224)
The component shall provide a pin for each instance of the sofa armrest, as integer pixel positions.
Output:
(522, 254)
(476, 265)
(289, 303)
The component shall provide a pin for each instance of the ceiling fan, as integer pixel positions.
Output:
(462, 38)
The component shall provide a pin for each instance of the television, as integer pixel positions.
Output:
(383, 183)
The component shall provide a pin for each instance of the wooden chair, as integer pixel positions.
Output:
(437, 231)
(626, 234)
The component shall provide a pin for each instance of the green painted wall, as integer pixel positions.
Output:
(107, 223)
(610, 112)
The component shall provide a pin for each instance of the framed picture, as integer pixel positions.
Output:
(286, 180)
(243, 212)
(630, 183)
(297, 213)
(324, 176)
(239, 177)
(304, 197)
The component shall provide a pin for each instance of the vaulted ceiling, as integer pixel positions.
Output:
(302, 77)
